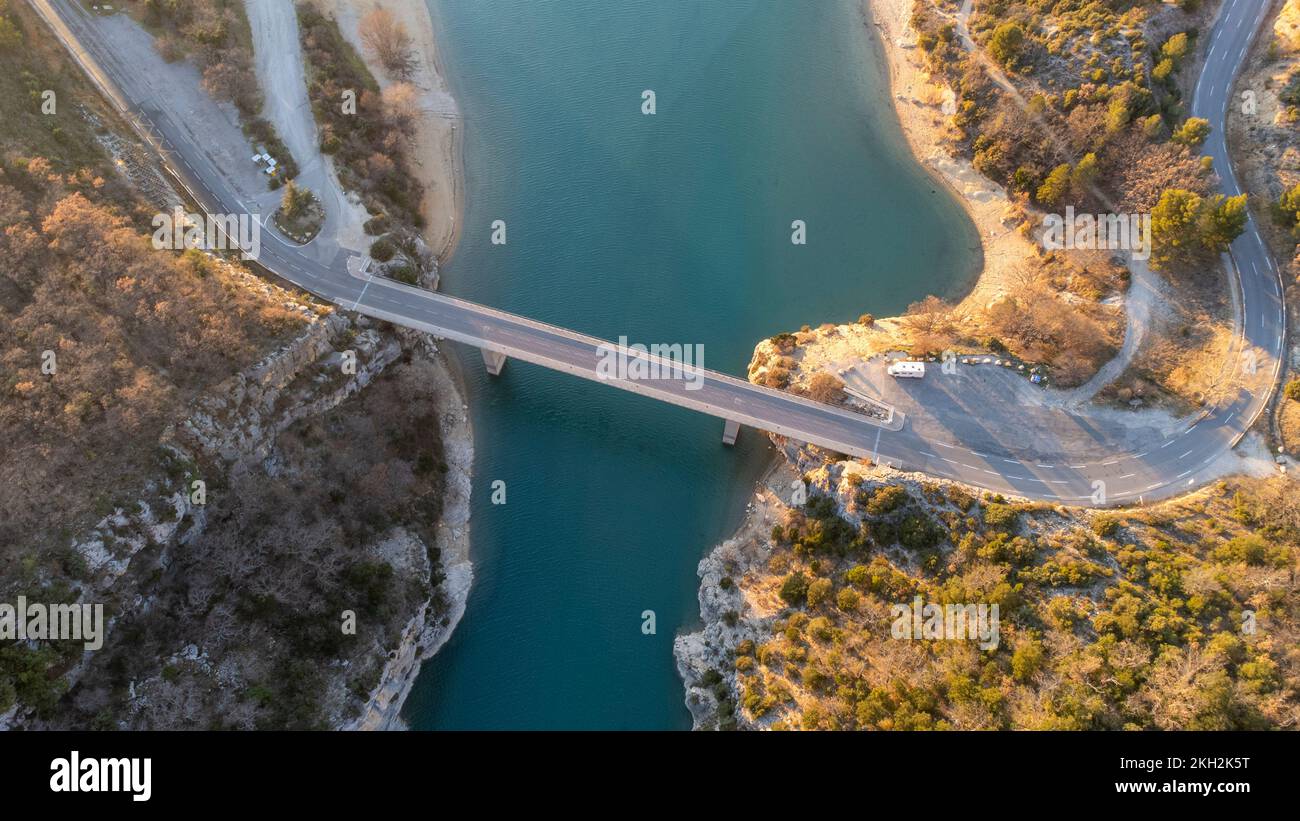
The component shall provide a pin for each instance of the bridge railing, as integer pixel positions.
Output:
(893, 419)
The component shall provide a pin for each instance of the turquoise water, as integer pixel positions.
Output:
(670, 228)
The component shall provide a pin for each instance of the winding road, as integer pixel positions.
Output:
(977, 426)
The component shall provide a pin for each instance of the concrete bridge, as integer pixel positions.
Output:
(1077, 458)
(340, 279)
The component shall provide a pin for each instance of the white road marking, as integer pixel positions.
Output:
(361, 295)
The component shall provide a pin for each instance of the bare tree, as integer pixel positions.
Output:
(930, 315)
(388, 40)
(402, 107)
(825, 387)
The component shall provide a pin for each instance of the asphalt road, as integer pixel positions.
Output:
(964, 431)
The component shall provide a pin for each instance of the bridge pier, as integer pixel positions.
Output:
(730, 432)
(494, 360)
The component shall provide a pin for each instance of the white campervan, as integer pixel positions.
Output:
(914, 370)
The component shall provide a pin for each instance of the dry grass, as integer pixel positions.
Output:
(1188, 357)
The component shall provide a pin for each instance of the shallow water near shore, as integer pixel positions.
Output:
(670, 228)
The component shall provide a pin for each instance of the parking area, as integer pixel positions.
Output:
(998, 409)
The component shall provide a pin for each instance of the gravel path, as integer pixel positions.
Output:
(283, 76)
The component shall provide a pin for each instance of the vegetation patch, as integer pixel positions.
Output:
(367, 131)
(1177, 616)
(300, 215)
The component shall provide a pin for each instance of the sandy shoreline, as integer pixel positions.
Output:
(923, 109)
(435, 150)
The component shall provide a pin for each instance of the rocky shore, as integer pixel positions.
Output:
(425, 635)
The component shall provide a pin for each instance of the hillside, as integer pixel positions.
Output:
(1184, 615)
(170, 420)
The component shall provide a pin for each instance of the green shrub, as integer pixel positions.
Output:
(919, 532)
(1252, 550)
(819, 592)
(382, 250)
(887, 499)
(1007, 43)
(1105, 526)
(1026, 660)
(1003, 518)
(794, 590)
(847, 599)
(1192, 132)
